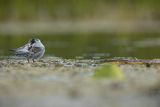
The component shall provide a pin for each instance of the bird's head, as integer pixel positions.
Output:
(34, 40)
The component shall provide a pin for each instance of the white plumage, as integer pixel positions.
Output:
(34, 49)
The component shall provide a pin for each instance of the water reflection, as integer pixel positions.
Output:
(90, 45)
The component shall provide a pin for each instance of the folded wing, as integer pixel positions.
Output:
(22, 51)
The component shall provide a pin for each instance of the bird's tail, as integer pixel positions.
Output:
(12, 50)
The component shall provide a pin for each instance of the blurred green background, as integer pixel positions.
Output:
(86, 28)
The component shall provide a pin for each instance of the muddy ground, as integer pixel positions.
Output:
(56, 82)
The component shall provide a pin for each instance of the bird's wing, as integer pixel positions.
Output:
(22, 49)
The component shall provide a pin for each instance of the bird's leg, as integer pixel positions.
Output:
(28, 60)
(33, 60)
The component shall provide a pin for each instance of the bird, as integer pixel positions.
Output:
(34, 49)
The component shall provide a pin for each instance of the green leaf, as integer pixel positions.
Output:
(109, 71)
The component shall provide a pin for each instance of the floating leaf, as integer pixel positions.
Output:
(109, 71)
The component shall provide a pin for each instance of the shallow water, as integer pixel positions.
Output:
(90, 45)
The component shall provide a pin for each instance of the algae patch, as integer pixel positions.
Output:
(109, 71)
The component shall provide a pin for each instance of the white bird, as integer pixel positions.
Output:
(34, 49)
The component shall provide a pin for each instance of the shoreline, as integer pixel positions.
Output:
(56, 81)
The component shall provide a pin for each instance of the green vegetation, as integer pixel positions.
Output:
(73, 9)
(101, 38)
(109, 71)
